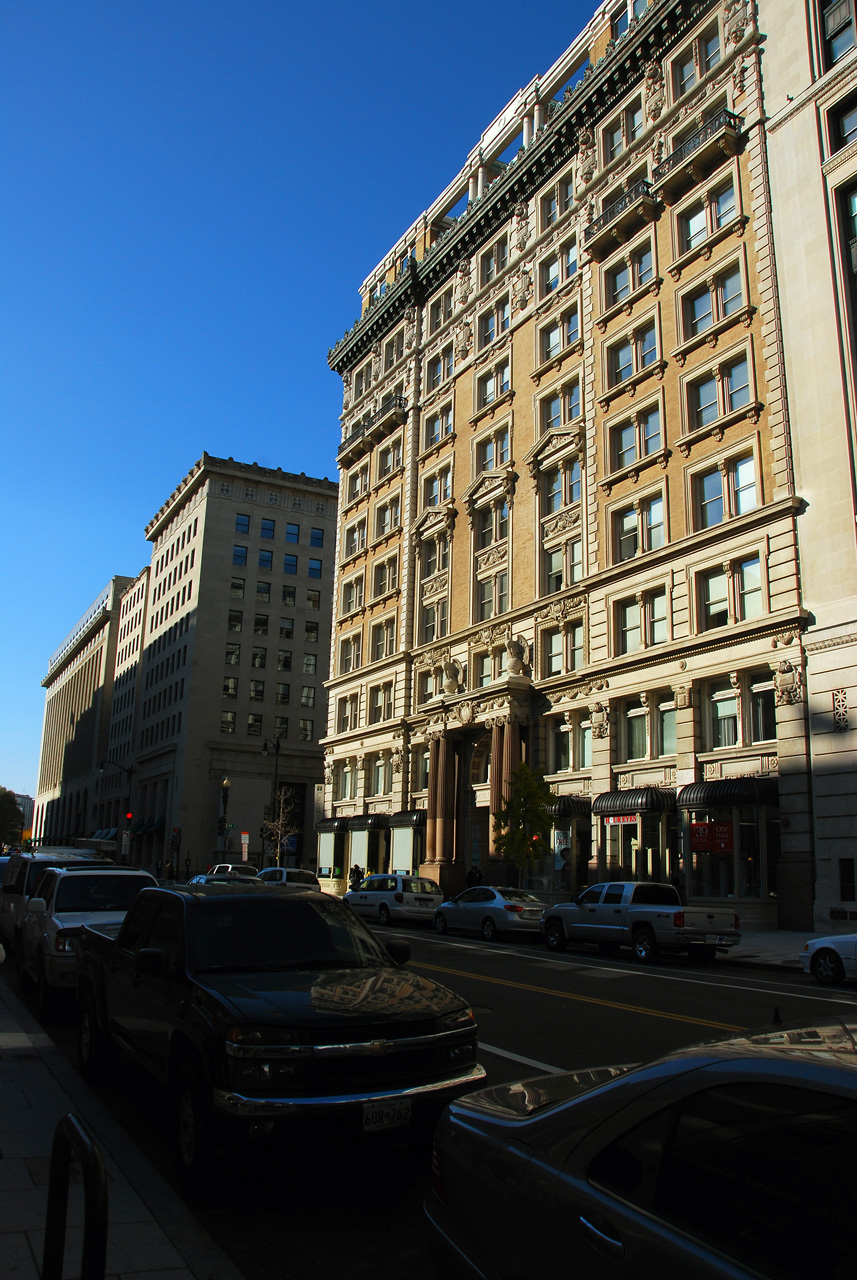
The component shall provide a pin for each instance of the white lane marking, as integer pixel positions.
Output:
(516, 1057)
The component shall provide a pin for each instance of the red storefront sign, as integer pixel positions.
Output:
(700, 837)
(621, 820)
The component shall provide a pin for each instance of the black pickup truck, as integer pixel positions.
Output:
(262, 1007)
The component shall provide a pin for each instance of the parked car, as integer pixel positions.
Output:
(259, 1010)
(65, 900)
(290, 876)
(490, 912)
(730, 1159)
(223, 877)
(648, 917)
(19, 878)
(234, 868)
(392, 896)
(831, 960)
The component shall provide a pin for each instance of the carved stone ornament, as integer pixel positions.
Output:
(436, 586)
(453, 676)
(432, 658)
(463, 288)
(492, 557)
(563, 523)
(397, 759)
(519, 655)
(682, 697)
(491, 635)
(463, 339)
(346, 391)
(522, 225)
(376, 361)
(328, 766)
(737, 18)
(410, 327)
(739, 73)
(561, 610)
(654, 90)
(787, 684)
(598, 720)
(465, 712)
(522, 288)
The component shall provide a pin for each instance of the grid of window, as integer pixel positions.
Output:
(438, 426)
(703, 218)
(494, 322)
(627, 276)
(632, 354)
(493, 385)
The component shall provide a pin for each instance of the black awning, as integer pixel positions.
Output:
(570, 807)
(331, 824)
(368, 821)
(636, 800)
(729, 791)
(409, 818)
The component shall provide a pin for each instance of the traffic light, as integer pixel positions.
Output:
(129, 817)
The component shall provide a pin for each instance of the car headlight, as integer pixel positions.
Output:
(461, 1020)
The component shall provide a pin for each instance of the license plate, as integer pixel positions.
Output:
(715, 937)
(423, 902)
(386, 1115)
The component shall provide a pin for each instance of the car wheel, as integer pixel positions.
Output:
(645, 947)
(44, 991)
(489, 930)
(193, 1127)
(827, 968)
(384, 914)
(94, 1050)
(440, 924)
(555, 936)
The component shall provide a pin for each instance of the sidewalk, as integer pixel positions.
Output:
(777, 949)
(151, 1235)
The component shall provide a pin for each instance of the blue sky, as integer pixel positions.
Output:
(193, 192)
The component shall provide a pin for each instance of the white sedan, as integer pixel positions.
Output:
(831, 960)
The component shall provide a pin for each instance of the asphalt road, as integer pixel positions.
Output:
(317, 1210)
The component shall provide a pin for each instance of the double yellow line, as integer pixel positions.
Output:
(569, 995)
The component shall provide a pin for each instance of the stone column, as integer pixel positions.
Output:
(795, 874)
(445, 822)
(495, 780)
(528, 130)
(472, 187)
(538, 116)
(511, 755)
(431, 801)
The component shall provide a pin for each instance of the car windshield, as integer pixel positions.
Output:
(273, 932)
(518, 895)
(98, 893)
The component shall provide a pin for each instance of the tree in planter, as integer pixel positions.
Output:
(283, 821)
(11, 818)
(523, 826)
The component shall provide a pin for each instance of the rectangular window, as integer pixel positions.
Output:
(494, 261)
(666, 728)
(763, 711)
(575, 646)
(550, 210)
(309, 664)
(230, 686)
(257, 690)
(656, 617)
(553, 570)
(267, 529)
(239, 555)
(574, 550)
(290, 564)
(749, 582)
(744, 485)
(305, 730)
(263, 591)
(293, 533)
(352, 595)
(484, 673)
(625, 534)
(736, 379)
(635, 733)
(307, 695)
(441, 311)
(553, 652)
(236, 589)
(283, 691)
(254, 725)
(287, 628)
(284, 659)
(313, 598)
(227, 722)
(281, 726)
(260, 624)
(349, 654)
(711, 304)
(434, 621)
(288, 596)
(242, 524)
(709, 498)
(438, 426)
(493, 451)
(266, 560)
(384, 639)
(714, 599)
(235, 619)
(389, 459)
(311, 632)
(258, 657)
(314, 569)
(653, 523)
(386, 577)
(316, 537)
(233, 655)
(358, 483)
(346, 713)
(723, 702)
(628, 617)
(380, 703)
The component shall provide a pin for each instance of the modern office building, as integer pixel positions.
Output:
(220, 649)
(78, 699)
(568, 514)
(810, 84)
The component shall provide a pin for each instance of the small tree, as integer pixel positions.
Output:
(282, 822)
(524, 823)
(11, 818)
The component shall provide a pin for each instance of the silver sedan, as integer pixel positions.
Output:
(489, 912)
(831, 960)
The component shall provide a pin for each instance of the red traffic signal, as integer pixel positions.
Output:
(129, 816)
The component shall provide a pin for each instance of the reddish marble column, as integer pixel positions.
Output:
(495, 776)
(445, 801)
(431, 801)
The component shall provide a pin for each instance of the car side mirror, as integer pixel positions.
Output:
(398, 951)
(152, 962)
(38, 906)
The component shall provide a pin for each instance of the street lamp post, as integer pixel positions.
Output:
(224, 808)
(128, 770)
(274, 746)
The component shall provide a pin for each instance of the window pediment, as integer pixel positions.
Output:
(490, 486)
(552, 448)
(435, 520)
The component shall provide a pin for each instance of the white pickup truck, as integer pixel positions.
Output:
(647, 917)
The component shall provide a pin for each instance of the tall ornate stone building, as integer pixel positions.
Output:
(567, 526)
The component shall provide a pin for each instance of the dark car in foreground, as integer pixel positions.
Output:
(730, 1159)
(259, 1009)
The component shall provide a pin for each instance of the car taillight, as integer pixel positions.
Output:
(678, 919)
(436, 1176)
(400, 897)
(513, 906)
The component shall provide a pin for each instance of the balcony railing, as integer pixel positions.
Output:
(632, 196)
(389, 406)
(393, 406)
(720, 132)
